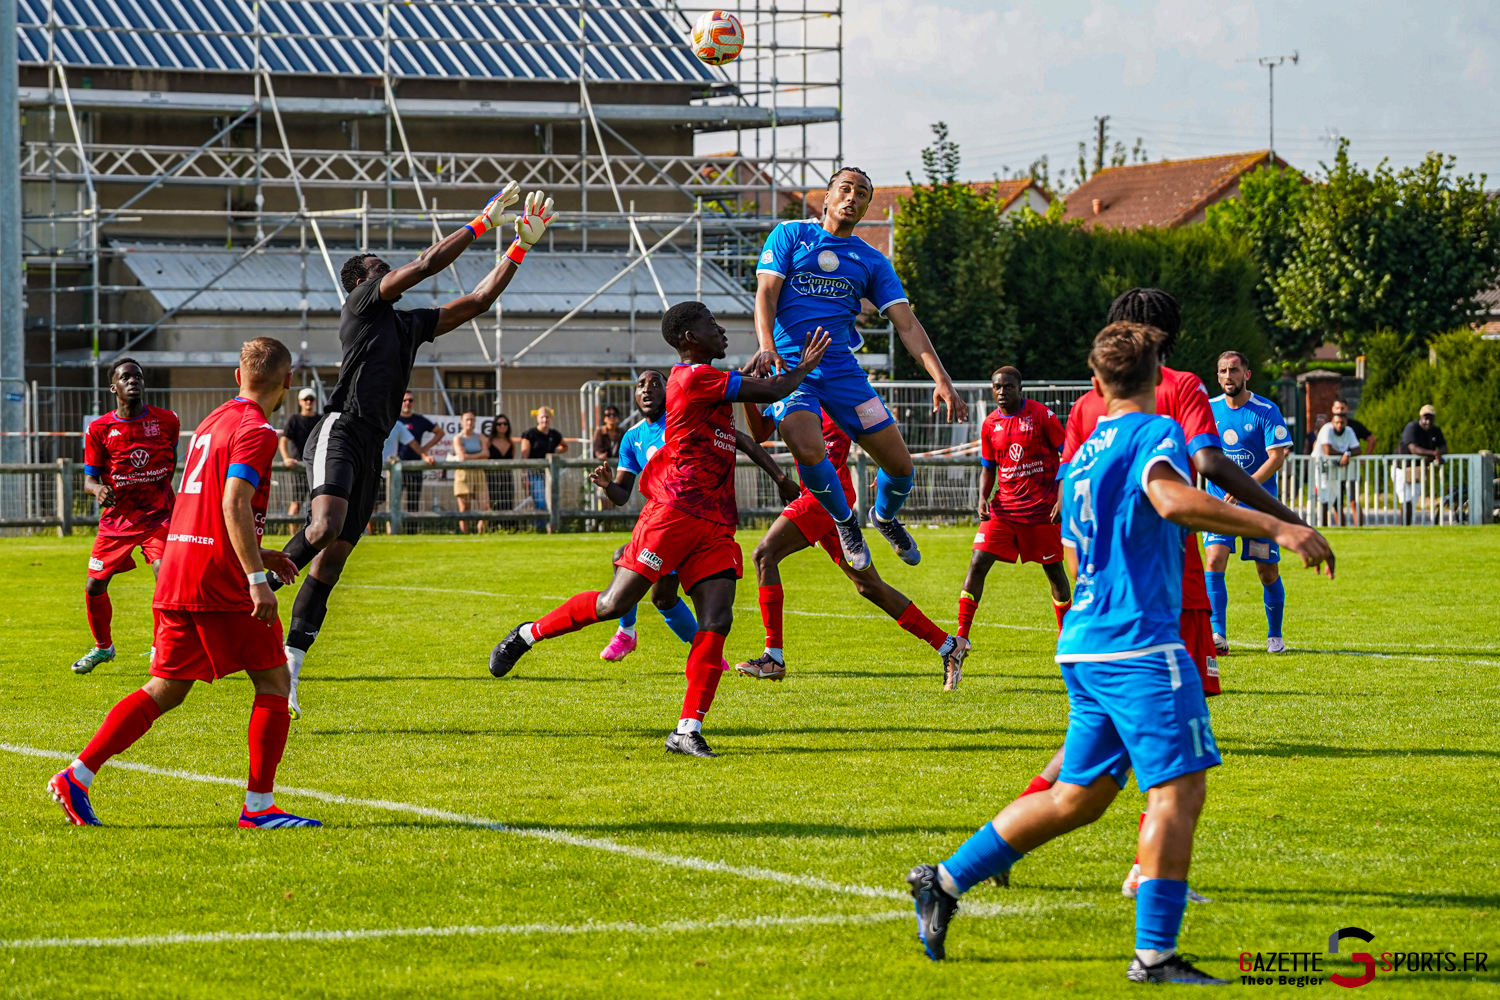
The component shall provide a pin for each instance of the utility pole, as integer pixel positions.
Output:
(1269, 64)
(12, 272)
(1099, 123)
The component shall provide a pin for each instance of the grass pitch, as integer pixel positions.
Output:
(1359, 788)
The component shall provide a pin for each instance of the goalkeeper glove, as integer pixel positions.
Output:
(490, 217)
(538, 215)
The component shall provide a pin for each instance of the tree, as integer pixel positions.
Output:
(1461, 379)
(950, 256)
(1403, 250)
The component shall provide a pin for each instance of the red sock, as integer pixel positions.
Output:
(1038, 784)
(1060, 610)
(269, 722)
(966, 607)
(770, 614)
(921, 626)
(574, 613)
(1138, 827)
(100, 614)
(705, 665)
(125, 723)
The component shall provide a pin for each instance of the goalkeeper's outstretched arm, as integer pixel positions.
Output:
(446, 250)
(530, 226)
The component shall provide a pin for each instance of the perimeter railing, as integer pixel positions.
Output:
(556, 494)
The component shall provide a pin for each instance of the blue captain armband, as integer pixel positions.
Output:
(732, 387)
(93, 470)
(239, 470)
(986, 463)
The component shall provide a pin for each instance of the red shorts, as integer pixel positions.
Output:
(112, 553)
(816, 524)
(666, 540)
(1012, 541)
(207, 645)
(1194, 588)
(1198, 637)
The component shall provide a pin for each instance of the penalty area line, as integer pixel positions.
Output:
(537, 833)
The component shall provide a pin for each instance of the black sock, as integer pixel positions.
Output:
(308, 611)
(299, 550)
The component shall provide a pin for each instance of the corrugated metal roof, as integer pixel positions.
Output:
(549, 284)
(522, 39)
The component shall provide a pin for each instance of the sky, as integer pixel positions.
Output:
(1016, 80)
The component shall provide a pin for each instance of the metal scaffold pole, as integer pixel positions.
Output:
(12, 264)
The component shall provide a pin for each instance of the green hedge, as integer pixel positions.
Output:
(1463, 384)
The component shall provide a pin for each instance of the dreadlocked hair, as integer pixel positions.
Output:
(1151, 307)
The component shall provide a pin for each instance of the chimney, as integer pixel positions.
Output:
(1098, 205)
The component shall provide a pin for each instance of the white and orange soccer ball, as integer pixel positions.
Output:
(718, 37)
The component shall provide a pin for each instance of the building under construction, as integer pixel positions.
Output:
(194, 174)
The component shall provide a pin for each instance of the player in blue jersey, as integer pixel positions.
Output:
(1135, 700)
(643, 440)
(814, 274)
(1256, 438)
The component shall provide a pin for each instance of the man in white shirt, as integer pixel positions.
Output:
(1336, 447)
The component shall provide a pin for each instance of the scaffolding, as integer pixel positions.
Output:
(779, 101)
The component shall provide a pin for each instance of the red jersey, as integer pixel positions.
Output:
(1022, 447)
(1180, 396)
(694, 471)
(136, 458)
(199, 569)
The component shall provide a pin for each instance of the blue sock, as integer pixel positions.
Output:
(681, 621)
(627, 620)
(1275, 598)
(1218, 601)
(823, 482)
(890, 494)
(1159, 903)
(982, 856)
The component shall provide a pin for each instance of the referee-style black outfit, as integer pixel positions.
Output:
(380, 345)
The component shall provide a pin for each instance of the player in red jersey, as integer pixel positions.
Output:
(807, 524)
(128, 458)
(1018, 446)
(689, 521)
(215, 613)
(1181, 396)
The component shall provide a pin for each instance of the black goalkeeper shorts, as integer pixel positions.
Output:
(343, 460)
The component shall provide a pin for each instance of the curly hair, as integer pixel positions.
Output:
(121, 363)
(676, 321)
(353, 271)
(1153, 307)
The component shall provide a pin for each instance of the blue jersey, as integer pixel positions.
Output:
(826, 276)
(1128, 599)
(1249, 433)
(640, 442)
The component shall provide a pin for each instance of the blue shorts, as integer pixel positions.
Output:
(1145, 713)
(841, 389)
(1261, 550)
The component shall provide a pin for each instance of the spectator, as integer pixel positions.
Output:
(293, 440)
(1310, 439)
(1338, 480)
(502, 449)
(1365, 435)
(471, 488)
(400, 438)
(411, 479)
(539, 442)
(1424, 440)
(607, 438)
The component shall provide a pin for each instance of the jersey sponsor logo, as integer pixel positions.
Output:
(649, 558)
(871, 412)
(767, 257)
(1280, 433)
(1026, 425)
(1231, 436)
(151, 428)
(139, 457)
(828, 260)
(97, 565)
(193, 539)
(1167, 444)
(1016, 452)
(818, 286)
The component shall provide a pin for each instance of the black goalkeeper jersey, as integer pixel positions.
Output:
(380, 347)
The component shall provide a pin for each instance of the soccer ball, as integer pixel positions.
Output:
(718, 37)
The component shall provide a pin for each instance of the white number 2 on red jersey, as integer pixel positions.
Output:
(190, 481)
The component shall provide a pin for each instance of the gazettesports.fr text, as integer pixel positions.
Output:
(1310, 964)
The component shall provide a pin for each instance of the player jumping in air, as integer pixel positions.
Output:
(805, 524)
(688, 525)
(128, 458)
(1018, 446)
(380, 345)
(638, 446)
(1181, 396)
(215, 612)
(1256, 438)
(1134, 702)
(814, 273)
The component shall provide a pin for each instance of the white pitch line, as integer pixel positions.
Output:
(537, 833)
(1372, 654)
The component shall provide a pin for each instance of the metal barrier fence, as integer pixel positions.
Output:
(555, 494)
